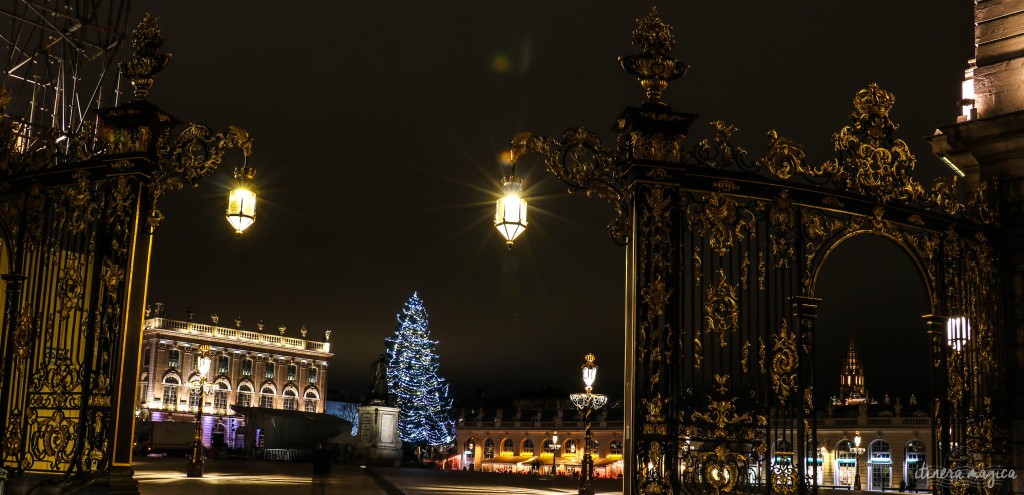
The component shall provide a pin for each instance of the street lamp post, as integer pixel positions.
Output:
(201, 388)
(857, 451)
(554, 451)
(587, 403)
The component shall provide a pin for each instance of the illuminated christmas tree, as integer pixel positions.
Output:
(418, 391)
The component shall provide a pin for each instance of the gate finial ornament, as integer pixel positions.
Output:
(655, 68)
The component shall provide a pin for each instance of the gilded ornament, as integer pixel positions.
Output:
(721, 310)
(784, 157)
(70, 287)
(721, 383)
(147, 59)
(654, 68)
(720, 417)
(656, 296)
(784, 362)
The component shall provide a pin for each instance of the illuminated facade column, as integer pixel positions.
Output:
(988, 141)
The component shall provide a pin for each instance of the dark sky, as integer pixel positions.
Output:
(378, 128)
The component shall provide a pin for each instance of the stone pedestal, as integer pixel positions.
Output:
(378, 434)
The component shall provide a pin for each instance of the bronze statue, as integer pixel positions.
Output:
(379, 392)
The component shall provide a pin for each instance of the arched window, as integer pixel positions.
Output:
(846, 463)
(488, 449)
(293, 373)
(470, 445)
(220, 395)
(506, 446)
(289, 399)
(268, 370)
(267, 397)
(173, 358)
(569, 447)
(915, 458)
(310, 401)
(615, 447)
(594, 444)
(247, 367)
(880, 465)
(549, 446)
(311, 374)
(144, 388)
(527, 447)
(223, 364)
(244, 395)
(195, 393)
(170, 397)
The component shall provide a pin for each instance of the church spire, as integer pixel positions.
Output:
(851, 380)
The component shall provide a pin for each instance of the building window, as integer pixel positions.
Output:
(220, 396)
(615, 447)
(549, 447)
(915, 458)
(143, 391)
(311, 375)
(569, 447)
(310, 405)
(880, 465)
(506, 446)
(195, 395)
(488, 449)
(594, 444)
(268, 370)
(247, 367)
(293, 372)
(145, 357)
(846, 463)
(267, 397)
(173, 358)
(527, 447)
(170, 397)
(223, 364)
(244, 395)
(289, 400)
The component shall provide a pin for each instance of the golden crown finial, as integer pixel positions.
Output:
(874, 101)
(590, 358)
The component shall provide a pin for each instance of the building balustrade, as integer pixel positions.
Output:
(233, 334)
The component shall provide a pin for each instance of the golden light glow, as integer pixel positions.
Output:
(510, 217)
(241, 208)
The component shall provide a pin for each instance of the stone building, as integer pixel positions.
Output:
(250, 368)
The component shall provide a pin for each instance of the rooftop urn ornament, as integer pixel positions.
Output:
(149, 310)
(654, 68)
(327, 334)
(215, 319)
(146, 60)
(159, 306)
(189, 314)
(259, 325)
(281, 329)
(303, 331)
(238, 322)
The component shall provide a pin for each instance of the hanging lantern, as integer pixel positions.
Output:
(242, 200)
(510, 218)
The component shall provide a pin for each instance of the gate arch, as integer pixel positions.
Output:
(723, 251)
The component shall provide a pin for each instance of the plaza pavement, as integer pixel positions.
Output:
(166, 476)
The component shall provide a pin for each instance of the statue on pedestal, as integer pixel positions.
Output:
(379, 392)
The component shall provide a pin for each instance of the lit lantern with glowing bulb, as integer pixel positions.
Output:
(510, 218)
(242, 200)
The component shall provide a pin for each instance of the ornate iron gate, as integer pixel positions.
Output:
(723, 254)
(78, 208)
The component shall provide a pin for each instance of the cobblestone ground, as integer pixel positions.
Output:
(166, 476)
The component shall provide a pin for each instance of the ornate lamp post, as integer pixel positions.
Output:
(588, 402)
(554, 451)
(201, 388)
(857, 450)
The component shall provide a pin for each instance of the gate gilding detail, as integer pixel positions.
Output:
(724, 252)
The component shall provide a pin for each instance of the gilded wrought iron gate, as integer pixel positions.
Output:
(78, 208)
(723, 255)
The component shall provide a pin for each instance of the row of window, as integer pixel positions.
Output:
(224, 366)
(527, 447)
(245, 393)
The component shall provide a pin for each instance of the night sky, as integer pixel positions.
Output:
(379, 128)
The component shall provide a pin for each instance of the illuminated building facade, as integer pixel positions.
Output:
(851, 381)
(523, 441)
(251, 369)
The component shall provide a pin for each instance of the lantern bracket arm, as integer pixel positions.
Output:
(581, 162)
(188, 157)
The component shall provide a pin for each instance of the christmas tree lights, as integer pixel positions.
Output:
(418, 391)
